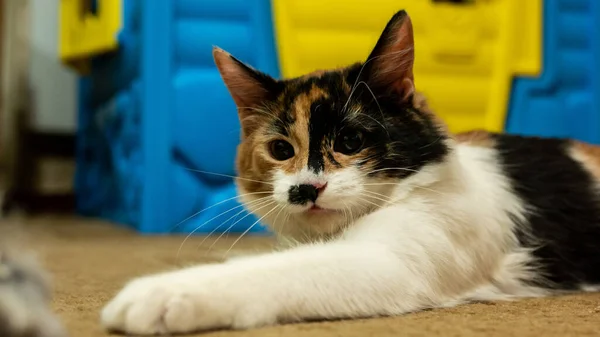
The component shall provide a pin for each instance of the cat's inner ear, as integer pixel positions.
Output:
(390, 64)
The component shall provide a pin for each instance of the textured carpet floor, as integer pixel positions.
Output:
(90, 261)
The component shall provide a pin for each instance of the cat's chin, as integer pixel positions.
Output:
(310, 225)
(317, 210)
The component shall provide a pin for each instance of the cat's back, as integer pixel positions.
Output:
(558, 181)
(545, 159)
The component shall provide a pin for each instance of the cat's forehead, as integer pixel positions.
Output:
(320, 91)
(319, 85)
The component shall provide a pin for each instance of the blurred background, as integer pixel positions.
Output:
(113, 109)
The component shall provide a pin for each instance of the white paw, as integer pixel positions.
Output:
(170, 303)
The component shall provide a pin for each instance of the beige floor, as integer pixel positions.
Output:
(91, 260)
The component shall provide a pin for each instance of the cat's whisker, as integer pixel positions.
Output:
(263, 111)
(377, 198)
(382, 184)
(224, 222)
(214, 205)
(379, 106)
(343, 212)
(348, 224)
(391, 169)
(355, 85)
(232, 225)
(275, 221)
(286, 220)
(350, 212)
(386, 197)
(433, 142)
(379, 194)
(218, 227)
(398, 65)
(228, 176)
(411, 186)
(368, 201)
(373, 119)
(211, 219)
(250, 228)
(348, 219)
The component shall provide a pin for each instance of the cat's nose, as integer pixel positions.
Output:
(301, 194)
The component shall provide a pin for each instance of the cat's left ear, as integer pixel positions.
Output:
(247, 86)
(389, 67)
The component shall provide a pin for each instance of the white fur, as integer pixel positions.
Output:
(444, 236)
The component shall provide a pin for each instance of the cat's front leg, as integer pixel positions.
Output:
(381, 266)
(332, 280)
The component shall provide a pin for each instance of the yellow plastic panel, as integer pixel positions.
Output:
(84, 34)
(466, 54)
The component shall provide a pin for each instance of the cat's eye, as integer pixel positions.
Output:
(281, 150)
(348, 142)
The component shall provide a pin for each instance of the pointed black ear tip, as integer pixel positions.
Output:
(400, 16)
(401, 13)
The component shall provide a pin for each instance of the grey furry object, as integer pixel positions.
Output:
(24, 293)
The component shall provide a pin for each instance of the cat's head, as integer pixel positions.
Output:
(324, 148)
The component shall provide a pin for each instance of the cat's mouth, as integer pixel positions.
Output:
(316, 209)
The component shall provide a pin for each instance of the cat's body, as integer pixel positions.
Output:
(392, 214)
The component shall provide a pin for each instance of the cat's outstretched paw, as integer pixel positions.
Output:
(166, 304)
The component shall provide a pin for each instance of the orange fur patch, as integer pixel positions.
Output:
(589, 156)
(477, 138)
(252, 166)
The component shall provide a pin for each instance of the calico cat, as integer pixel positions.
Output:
(392, 213)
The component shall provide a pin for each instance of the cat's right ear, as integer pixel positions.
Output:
(389, 67)
(248, 87)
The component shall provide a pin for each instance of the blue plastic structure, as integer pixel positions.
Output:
(156, 112)
(565, 100)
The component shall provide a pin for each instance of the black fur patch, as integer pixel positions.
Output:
(320, 127)
(564, 211)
